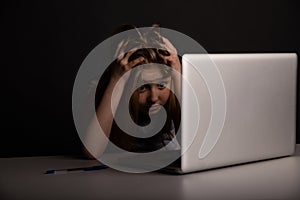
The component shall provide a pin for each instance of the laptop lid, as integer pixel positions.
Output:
(237, 108)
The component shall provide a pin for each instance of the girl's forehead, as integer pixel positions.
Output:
(153, 74)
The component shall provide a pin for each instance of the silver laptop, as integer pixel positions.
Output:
(236, 108)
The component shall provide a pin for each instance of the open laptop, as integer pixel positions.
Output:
(235, 108)
(245, 109)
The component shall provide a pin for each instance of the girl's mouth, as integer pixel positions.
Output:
(154, 108)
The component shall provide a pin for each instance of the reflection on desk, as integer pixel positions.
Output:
(24, 178)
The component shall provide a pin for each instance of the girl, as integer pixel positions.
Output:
(148, 99)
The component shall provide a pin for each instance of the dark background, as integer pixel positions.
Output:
(44, 43)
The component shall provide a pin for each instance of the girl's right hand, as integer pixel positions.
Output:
(121, 65)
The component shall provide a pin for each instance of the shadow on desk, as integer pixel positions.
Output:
(24, 178)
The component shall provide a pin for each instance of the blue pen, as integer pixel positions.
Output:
(79, 169)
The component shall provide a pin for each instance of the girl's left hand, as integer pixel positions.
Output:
(169, 54)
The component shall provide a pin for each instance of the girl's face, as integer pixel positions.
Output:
(155, 92)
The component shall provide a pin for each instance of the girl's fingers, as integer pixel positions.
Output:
(133, 63)
(124, 60)
(120, 57)
(164, 52)
(129, 53)
(121, 50)
(168, 45)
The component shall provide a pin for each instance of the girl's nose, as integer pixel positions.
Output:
(154, 94)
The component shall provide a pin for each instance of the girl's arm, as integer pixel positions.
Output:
(96, 141)
(172, 59)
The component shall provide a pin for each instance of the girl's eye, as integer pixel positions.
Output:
(161, 85)
(143, 88)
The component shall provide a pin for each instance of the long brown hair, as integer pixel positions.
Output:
(172, 107)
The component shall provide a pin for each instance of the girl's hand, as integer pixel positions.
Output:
(121, 65)
(169, 54)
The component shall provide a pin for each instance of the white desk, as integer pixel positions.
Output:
(23, 178)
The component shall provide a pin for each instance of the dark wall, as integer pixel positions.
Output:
(44, 43)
